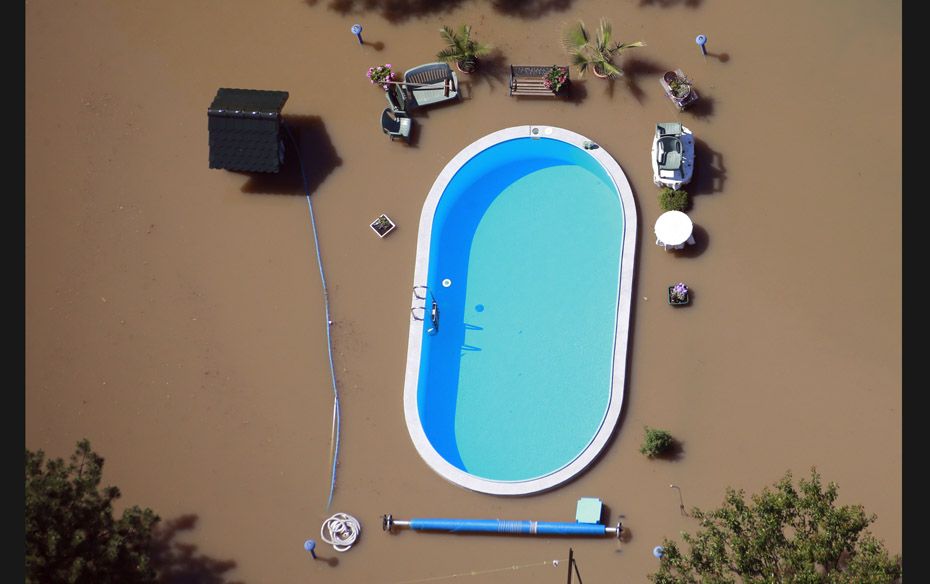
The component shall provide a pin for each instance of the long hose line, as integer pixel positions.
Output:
(334, 441)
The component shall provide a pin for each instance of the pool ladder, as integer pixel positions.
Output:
(434, 309)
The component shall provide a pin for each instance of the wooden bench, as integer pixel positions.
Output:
(530, 80)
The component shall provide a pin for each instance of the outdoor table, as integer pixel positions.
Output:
(673, 229)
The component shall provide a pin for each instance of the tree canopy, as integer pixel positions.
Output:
(785, 534)
(71, 533)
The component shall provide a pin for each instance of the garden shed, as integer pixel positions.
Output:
(245, 130)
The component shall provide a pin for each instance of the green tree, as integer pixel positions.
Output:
(71, 533)
(783, 535)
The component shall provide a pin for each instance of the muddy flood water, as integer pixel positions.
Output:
(174, 313)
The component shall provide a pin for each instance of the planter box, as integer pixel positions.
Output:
(674, 302)
(680, 102)
(382, 225)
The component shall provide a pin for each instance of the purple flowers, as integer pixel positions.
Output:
(380, 74)
(679, 292)
(556, 77)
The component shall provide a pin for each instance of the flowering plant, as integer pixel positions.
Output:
(680, 85)
(380, 74)
(556, 77)
(678, 292)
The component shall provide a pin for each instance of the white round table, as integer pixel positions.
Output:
(673, 228)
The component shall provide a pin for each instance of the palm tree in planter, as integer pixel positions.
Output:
(462, 49)
(597, 52)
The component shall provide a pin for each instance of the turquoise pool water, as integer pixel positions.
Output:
(516, 381)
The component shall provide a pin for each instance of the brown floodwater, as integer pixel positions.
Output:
(174, 313)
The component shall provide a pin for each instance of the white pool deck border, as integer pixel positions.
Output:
(414, 342)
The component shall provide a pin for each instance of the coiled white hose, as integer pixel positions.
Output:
(340, 531)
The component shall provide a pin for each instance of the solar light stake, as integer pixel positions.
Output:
(701, 40)
(681, 502)
(309, 545)
(357, 31)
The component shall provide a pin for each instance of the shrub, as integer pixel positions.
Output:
(655, 442)
(672, 200)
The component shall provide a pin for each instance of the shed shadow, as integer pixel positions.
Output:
(671, 3)
(395, 11)
(316, 151)
(180, 563)
(530, 9)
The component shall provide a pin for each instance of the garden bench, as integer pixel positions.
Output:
(529, 80)
(430, 83)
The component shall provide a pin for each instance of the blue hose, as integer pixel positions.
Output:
(329, 338)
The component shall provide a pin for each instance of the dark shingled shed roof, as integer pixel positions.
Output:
(244, 127)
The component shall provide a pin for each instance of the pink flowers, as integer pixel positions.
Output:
(556, 77)
(380, 74)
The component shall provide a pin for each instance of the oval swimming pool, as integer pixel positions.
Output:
(518, 336)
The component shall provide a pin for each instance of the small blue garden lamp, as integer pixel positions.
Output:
(658, 551)
(701, 40)
(309, 545)
(357, 31)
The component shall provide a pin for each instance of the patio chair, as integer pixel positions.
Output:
(396, 99)
(395, 124)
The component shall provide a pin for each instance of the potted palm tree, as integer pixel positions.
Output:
(597, 52)
(462, 49)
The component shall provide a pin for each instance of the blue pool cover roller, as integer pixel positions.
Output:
(503, 526)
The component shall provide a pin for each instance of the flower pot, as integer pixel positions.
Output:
(467, 66)
(670, 76)
(675, 301)
(598, 73)
(382, 225)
